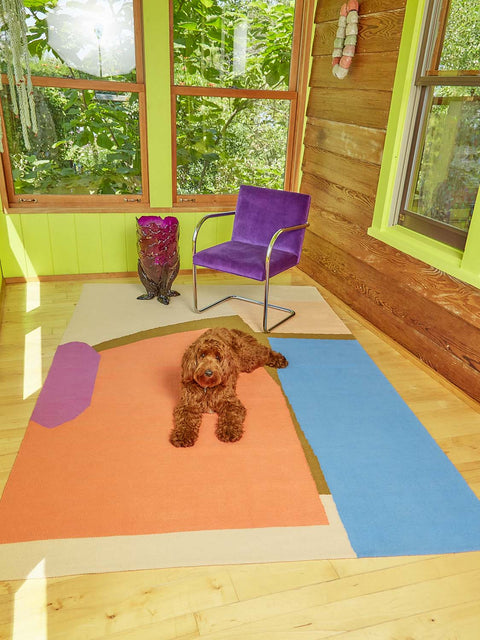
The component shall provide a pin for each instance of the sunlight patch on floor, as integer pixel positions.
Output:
(32, 368)
(32, 296)
(30, 607)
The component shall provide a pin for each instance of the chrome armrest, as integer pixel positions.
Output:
(204, 219)
(278, 233)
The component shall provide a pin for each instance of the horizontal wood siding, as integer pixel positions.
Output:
(433, 315)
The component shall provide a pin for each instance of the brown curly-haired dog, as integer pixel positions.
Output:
(210, 368)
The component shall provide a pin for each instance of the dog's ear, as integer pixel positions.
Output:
(231, 368)
(189, 364)
(230, 362)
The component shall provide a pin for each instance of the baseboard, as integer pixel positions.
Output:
(80, 276)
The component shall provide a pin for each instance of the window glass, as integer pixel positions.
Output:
(75, 131)
(88, 143)
(224, 142)
(461, 44)
(448, 174)
(92, 39)
(233, 43)
(443, 168)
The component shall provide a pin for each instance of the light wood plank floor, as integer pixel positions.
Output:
(434, 597)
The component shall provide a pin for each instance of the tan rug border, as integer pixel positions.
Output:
(75, 556)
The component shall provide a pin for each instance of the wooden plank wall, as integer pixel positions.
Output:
(433, 315)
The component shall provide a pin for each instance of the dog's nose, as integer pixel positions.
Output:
(208, 373)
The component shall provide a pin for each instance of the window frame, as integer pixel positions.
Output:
(428, 77)
(44, 203)
(401, 131)
(296, 94)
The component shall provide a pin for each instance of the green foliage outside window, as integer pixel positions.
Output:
(88, 141)
(449, 169)
(236, 44)
(225, 142)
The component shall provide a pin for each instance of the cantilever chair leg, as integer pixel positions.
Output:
(266, 305)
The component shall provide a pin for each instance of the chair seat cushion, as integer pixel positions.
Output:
(244, 259)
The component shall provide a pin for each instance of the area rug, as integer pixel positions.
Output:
(333, 464)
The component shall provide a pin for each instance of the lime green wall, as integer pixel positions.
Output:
(38, 244)
(464, 265)
(57, 244)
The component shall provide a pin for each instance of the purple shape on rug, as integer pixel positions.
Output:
(68, 389)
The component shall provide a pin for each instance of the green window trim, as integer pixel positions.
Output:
(462, 265)
(156, 38)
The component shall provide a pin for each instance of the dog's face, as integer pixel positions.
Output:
(209, 362)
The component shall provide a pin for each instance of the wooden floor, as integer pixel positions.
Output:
(433, 597)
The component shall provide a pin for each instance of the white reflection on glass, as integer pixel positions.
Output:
(94, 36)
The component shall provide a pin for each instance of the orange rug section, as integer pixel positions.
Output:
(111, 471)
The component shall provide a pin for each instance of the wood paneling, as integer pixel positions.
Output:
(329, 9)
(354, 141)
(369, 72)
(443, 297)
(377, 33)
(341, 170)
(352, 106)
(416, 326)
(347, 202)
(433, 315)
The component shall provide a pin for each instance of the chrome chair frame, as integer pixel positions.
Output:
(266, 305)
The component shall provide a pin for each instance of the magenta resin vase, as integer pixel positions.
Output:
(158, 259)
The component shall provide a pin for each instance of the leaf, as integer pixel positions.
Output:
(188, 26)
(210, 157)
(57, 144)
(84, 138)
(88, 96)
(105, 141)
(39, 4)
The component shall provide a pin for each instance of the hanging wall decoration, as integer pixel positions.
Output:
(345, 39)
(15, 56)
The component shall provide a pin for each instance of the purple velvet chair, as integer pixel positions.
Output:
(267, 238)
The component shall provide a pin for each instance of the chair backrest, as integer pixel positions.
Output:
(260, 212)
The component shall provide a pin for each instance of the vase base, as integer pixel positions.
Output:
(164, 299)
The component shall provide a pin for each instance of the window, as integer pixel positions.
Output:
(88, 91)
(235, 92)
(428, 202)
(443, 172)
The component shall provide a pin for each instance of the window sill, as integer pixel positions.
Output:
(430, 251)
(136, 208)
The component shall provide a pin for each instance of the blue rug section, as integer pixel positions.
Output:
(395, 490)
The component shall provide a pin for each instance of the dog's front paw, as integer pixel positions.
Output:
(277, 360)
(186, 426)
(228, 434)
(230, 421)
(183, 438)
